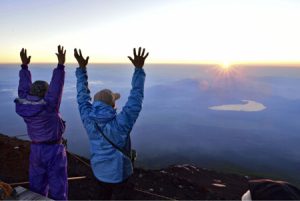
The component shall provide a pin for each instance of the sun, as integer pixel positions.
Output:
(225, 65)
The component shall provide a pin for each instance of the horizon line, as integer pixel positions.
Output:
(251, 63)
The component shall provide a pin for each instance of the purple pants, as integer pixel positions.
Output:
(48, 171)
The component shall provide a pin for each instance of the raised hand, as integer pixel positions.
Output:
(24, 58)
(81, 61)
(139, 59)
(61, 55)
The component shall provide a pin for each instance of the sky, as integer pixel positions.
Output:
(173, 31)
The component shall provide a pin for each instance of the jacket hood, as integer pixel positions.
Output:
(31, 106)
(102, 113)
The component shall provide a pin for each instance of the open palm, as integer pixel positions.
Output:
(61, 55)
(24, 58)
(80, 59)
(139, 59)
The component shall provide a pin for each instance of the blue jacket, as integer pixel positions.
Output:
(108, 164)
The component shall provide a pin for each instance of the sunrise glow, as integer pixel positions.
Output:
(174, 31)
(225, 65)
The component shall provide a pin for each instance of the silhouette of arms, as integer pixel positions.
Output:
(80, 59)
(130, 112)
(83, 92)
(24, 75)
(139, 59)
(54, 94)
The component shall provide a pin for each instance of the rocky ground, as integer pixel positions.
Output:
(174, 182)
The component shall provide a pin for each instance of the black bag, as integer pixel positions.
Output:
(132, 154)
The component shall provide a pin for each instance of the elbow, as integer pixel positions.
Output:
(137, 108)
(21, 95)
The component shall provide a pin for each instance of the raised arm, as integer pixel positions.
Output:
(130, 112)
(24, 75)
(54, 94)
(83, 92)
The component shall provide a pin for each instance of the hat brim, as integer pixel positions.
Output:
(116, 96)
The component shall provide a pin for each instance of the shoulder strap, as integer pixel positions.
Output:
(113, 144)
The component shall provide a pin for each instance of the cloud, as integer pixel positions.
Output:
(250, 106)
(7, 90)
(96, 82)
(10, 92)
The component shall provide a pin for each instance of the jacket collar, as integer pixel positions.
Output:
(33, 98)
(102, 113)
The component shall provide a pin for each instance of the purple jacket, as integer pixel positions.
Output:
(41, 116)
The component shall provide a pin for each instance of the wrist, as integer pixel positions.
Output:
(82, 67)
(81, 70)
(24, 66)
(60, 66)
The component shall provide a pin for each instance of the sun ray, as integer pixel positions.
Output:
(226, 65)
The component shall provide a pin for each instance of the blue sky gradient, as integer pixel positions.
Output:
(183, 31)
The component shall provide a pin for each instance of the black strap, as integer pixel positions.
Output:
(59, 141)
(113, 144)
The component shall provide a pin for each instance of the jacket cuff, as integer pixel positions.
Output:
(60, 66)
(24, 66)
(80, 71)
(82, 68)
(139, 69)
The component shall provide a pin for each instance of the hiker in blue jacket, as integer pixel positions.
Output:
(109, 131)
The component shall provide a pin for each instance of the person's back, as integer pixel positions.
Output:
(39, 104)
(110, 165)
(43, 122)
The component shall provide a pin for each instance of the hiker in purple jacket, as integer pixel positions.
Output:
(38, 103)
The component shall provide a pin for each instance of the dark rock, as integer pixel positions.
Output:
(177, 182)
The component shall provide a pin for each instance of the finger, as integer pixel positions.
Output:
(65, 52)
(134, 52)
(57, 54)
(26, 53)
(146, 55)
(22, 50)
(29, 59)
(80, 54)
(139, 51)
(130, 59)
(75, 53)
(87, 59)
(58, 48)
(143, 52)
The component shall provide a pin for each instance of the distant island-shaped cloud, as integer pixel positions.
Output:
(249, 106)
